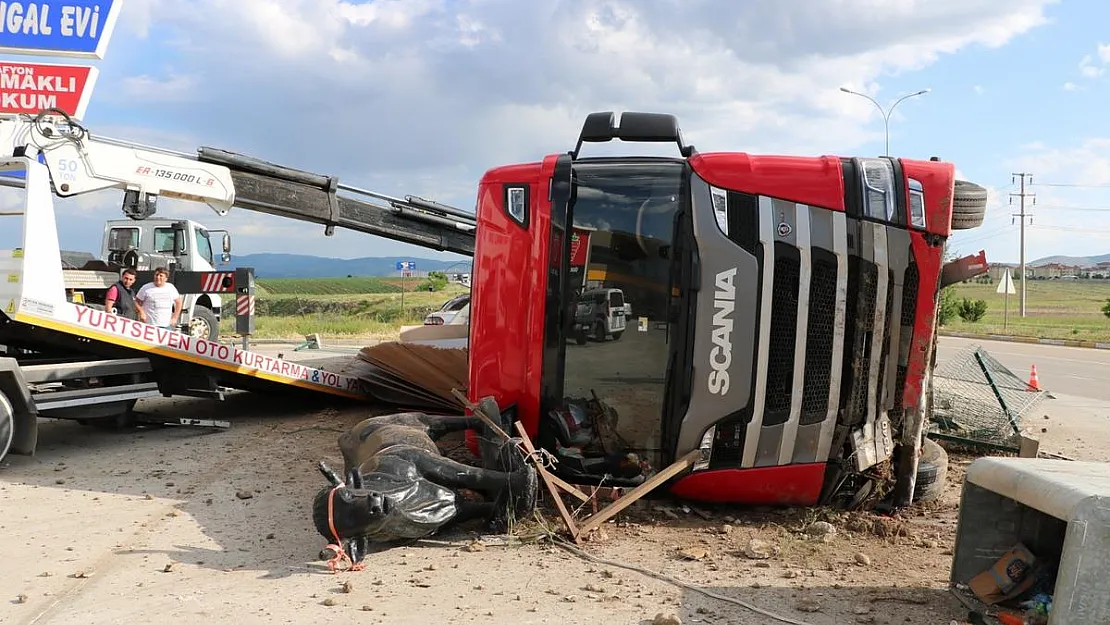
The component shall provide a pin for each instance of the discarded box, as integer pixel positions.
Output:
(1010, 576)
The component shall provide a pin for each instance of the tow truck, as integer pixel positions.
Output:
(785, 308)
(64, 357)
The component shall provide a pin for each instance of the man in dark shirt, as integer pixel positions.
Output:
(120, 298)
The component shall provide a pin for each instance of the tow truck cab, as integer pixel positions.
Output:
(784, 320)
(176, 244)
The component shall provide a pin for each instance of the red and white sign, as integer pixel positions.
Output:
(579, 247)
(30, 88)
(244, 305)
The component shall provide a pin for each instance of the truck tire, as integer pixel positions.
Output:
(7, 425)
(969, 205)
(203, 324)
(932, 471)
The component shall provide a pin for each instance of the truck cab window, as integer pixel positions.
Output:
(123, 239)
(163, 240)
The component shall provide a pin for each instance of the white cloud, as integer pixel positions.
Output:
(1067, 203)
(1088, 69)
(1104, 52)
(422, 96)
(1071, 86)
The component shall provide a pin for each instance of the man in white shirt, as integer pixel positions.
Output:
(160, 301)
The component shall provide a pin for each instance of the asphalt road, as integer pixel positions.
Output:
(1075, 371)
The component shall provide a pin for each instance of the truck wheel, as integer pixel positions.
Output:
(932, 471)
(969, 205)
(203, 324)
(7, 425)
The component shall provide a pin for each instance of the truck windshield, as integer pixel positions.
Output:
(624, 218)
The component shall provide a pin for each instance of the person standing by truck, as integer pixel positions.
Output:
(120, 299)
(160, 301)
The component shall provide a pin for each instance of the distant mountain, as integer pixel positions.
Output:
(305, 266)
(1076, 261)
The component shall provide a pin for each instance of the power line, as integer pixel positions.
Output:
(1022, 194)
(1071, 184)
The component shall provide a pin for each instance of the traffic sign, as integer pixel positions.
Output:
(1006, 285)
(73, 28)
(29, 88)
(406, 265)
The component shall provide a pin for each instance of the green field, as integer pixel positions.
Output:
(329, 286)
(357, 307)
(371, 308)
(1054, 309)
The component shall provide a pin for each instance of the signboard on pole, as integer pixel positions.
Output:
(1006, 285)
(72, 28)
(30, 88)
(406, 265)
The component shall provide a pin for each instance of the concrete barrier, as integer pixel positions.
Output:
(1058, 509)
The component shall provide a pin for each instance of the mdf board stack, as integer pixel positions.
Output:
(410, 375)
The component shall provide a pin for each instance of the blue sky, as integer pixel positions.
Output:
(421, 96)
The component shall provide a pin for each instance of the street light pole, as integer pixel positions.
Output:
(886, 113)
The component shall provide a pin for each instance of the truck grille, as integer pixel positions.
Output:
(819, 338)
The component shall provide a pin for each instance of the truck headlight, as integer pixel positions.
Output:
(706, 448)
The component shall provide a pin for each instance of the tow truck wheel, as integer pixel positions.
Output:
(7, 425)
(203, 324)
(969, 205)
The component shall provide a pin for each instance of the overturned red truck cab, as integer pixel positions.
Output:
(776, 312)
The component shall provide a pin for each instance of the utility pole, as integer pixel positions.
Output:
(1022, 214)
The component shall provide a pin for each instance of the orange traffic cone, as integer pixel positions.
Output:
(1033, 379)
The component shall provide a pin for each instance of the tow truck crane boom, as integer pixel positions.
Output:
(80, 163)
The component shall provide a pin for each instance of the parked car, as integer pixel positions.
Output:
(447, 314)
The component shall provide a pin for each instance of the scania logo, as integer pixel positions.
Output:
(785, 229)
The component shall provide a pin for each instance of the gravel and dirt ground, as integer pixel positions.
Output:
(182, 525)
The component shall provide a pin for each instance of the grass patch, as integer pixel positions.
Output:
(291, 314)
(1054, 309)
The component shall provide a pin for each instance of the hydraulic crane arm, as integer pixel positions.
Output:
(80, 163)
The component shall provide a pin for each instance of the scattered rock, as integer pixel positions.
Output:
(475, 546)
(21, 598)
(59, 481)
(570, 598)
(820, 529)
(762, 565)
(593, 588)
(666, 619)
(607, 574)
(244, 494)
(346, 587)
(367, 608)
(759, 549)
(148, 497)
(863, 559)
(807, 605)
(693, 553)
(861, 609)
(726, 529)
(431, 567)
(865, 618)
(168, 568)
(929, 543)
(789, 573)
(328, 602)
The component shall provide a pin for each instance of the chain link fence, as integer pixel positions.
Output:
(977, 399)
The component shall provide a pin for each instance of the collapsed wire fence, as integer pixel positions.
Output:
(977, 400)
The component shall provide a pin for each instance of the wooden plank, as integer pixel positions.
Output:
(635, 494)
(546, 477)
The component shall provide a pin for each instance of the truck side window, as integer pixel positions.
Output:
(204, 245)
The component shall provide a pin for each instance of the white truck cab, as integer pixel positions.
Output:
(176, 244)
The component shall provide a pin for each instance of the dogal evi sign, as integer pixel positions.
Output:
(72, 28)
